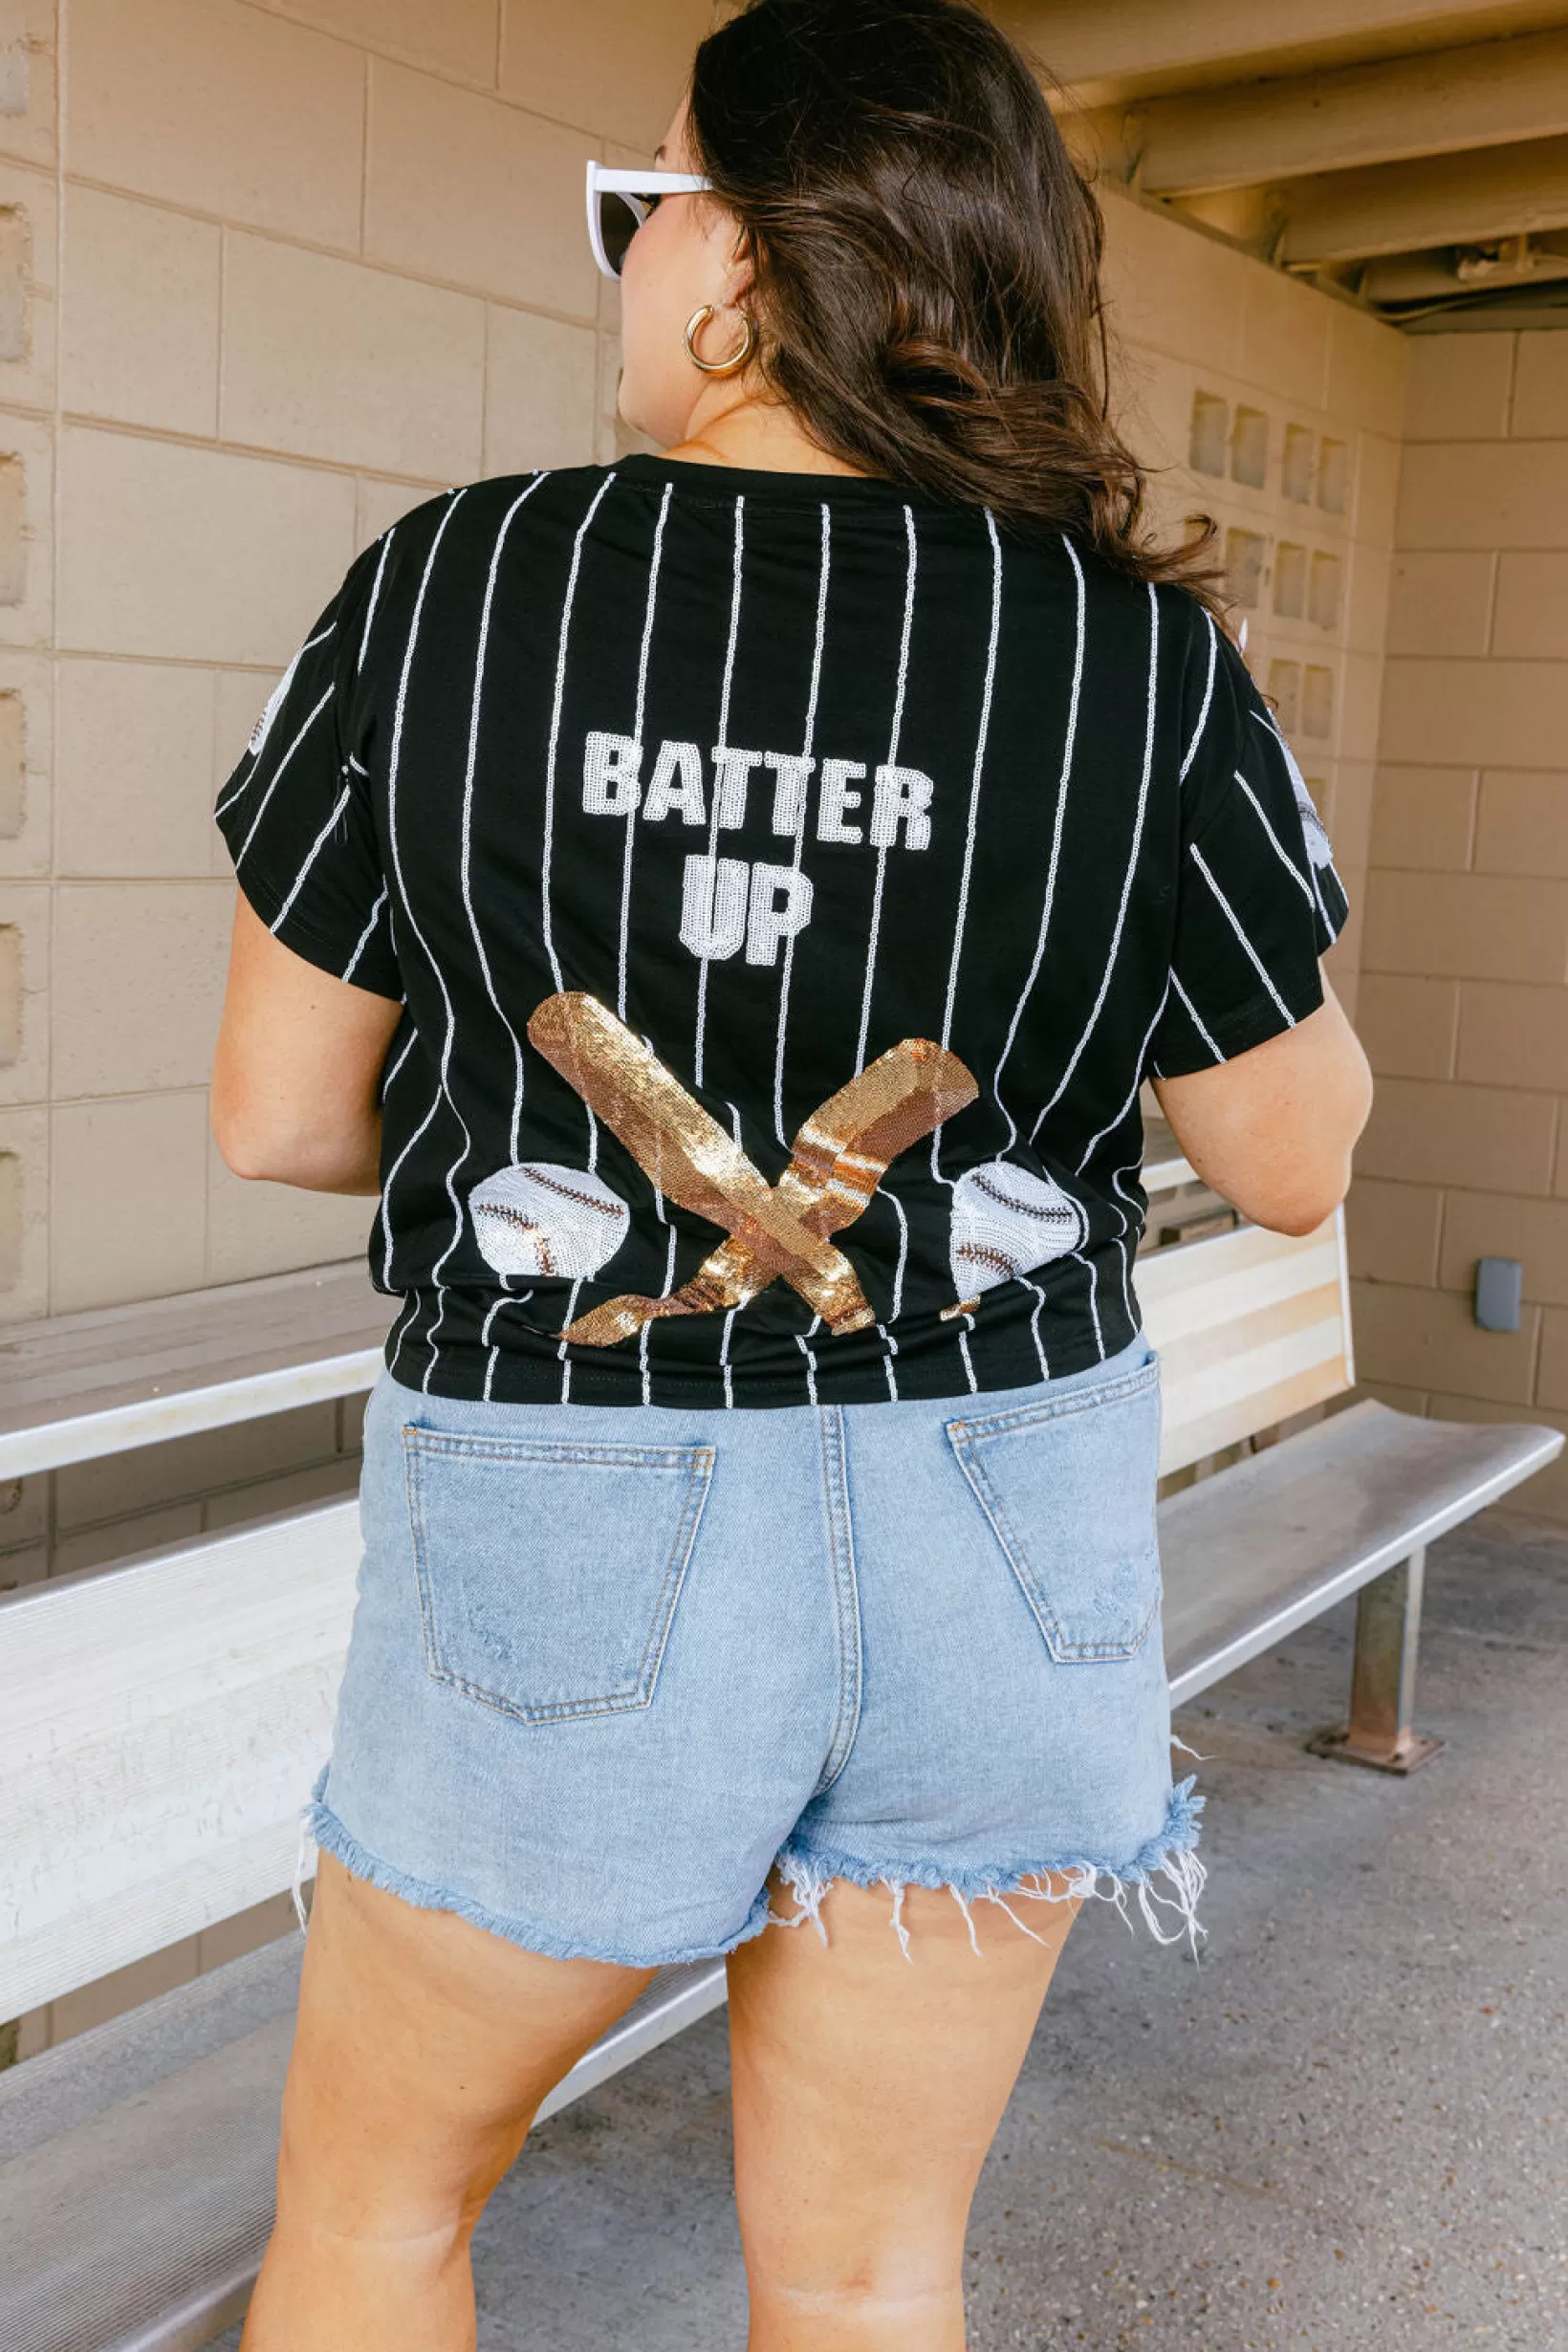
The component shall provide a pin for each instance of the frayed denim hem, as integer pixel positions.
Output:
(322, 1826)
(1166, 1875)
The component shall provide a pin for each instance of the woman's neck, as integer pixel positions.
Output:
(753, 433)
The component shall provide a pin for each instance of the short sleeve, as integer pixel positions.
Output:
(297, 813)
(1257, 899)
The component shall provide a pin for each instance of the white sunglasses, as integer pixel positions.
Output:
(619, 201)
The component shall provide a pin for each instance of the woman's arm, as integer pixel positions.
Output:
(297, 1069)
(1272, 1129)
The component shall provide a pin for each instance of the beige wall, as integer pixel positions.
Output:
(1465, 998)
(1277, 409)
(268, 276)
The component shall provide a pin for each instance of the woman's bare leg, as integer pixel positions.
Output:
(867, 2088)
(424, 2046)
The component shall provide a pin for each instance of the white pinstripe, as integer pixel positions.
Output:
(311, 856)
(636, 738)
(388, 1076)
(647, 1328)
(800, 827)
(549, 848)
(1192, 1017)
(548, 851)
(699, 1042)
(1111, 1124)
(1067, 746)
(892, 758)
(277, 777)
(394, 757)
(1207, 697)
(480, 656)
(1127, 879)
(961, 918)
(465, 867)
(1279, 850)
(374, 599)
(1230, 917)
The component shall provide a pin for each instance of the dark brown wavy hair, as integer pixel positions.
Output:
(925, 262)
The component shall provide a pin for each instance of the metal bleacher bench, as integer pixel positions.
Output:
(160, 1722)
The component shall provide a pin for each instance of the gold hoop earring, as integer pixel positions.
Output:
(719, 368)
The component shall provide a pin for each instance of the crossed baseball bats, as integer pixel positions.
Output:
(772, 1231)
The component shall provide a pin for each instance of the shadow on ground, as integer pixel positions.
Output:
(1346, 2128)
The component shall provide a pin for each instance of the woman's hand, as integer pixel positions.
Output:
(297, 1069)
(1273, 1130)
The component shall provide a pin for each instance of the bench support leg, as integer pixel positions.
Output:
(1383, 1686)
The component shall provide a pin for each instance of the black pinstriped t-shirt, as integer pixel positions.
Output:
(779, 770)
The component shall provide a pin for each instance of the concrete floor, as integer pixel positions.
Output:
(1346, 2128)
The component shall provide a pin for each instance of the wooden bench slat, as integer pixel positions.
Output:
(77, 1387)
(1249, 1556)
(177, 2174)
(168, 1717)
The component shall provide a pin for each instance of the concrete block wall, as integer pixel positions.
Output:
(1465, 991)
(269, 276)
(1278, 411)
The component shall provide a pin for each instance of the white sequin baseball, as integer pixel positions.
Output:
(1007, 1221)
(554, 1222)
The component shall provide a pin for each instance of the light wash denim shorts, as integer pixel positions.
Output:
(611, 1665)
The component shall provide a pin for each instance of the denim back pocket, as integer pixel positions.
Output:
(548, 1571)
(1069, 1487)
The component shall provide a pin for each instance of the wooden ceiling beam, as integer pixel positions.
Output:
(1471, 199)
(1441, 102)
(1107, 51)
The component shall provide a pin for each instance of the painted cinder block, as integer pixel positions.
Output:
(24, 1214)
(27, 241)
(1531, 622)
(1486, 1137)
(227, 110)
(195, 554)
(1512, 1034)
(1486, 713)
(327, 358)
(28, 61)
(1522, 827)
(1171, 290)
(1423, 816)
(127, 1217)
(460, 37)
(1408, 1026)
(1476, 927)
(138, 324)
(1392, 1230)
(187, 1469)
(137, 983)
(1441, 603)
(261, 1229)
(1366, 370)
(25, 956)
(1423, 1338)
(541, 380)
(624, 76)
(1477, 1225)
(134, 768)
(1540, 390)
(1484, 493)
(1458, 387)
(476, 193)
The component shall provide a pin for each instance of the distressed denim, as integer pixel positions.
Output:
(611, 1665)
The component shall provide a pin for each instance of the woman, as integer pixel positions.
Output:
(725, 905)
